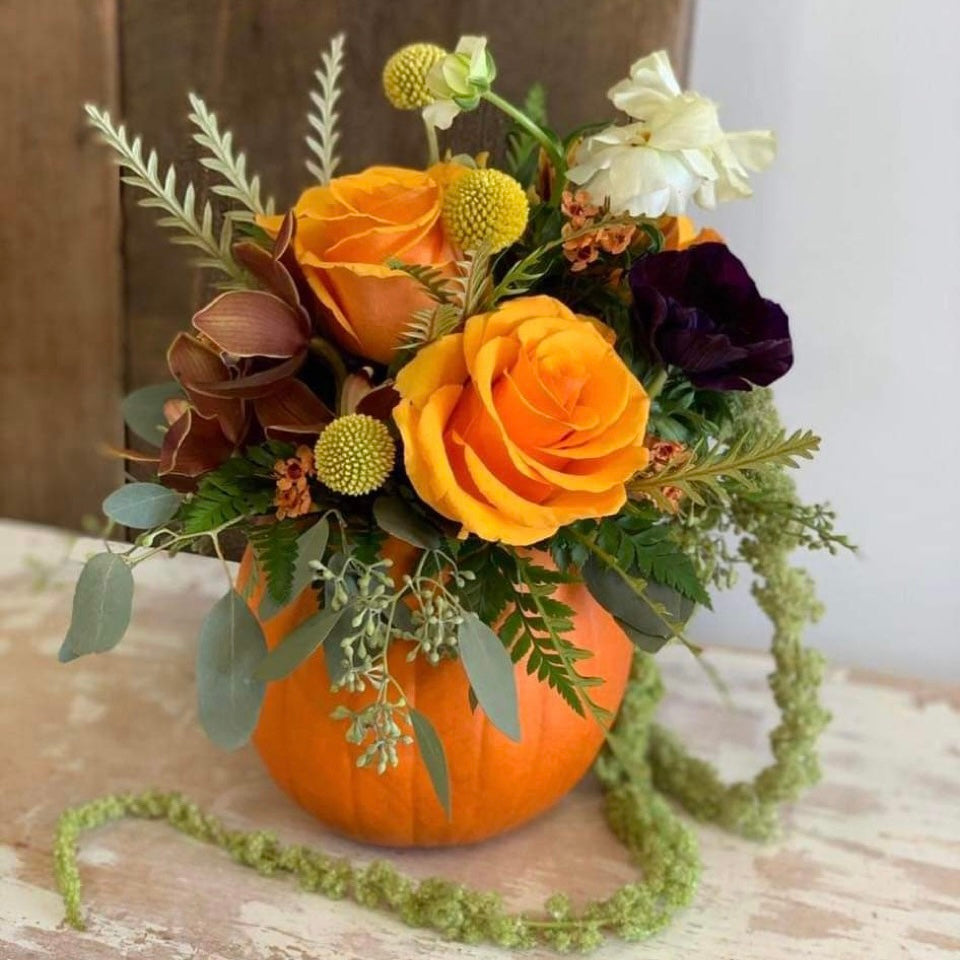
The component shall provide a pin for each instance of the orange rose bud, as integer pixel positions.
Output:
(681, 232)
(524, 422)
(346, 233)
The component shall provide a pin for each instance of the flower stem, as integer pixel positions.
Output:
(657, 381)
(433, 148)
(552, 148)
(325, 350)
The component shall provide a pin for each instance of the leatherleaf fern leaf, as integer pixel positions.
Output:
(651, 552)
(239, 487)
(274, 545)
(536, 624)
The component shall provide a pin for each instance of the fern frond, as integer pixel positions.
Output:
(430, 324)
(435, 283)
(275, 547)
(178, 214)
(324, 121)
(472, 285)
(707, 475)
(233, 168)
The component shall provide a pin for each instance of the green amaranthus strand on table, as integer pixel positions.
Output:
(650, 766)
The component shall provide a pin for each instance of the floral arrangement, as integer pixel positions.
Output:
(431, 400)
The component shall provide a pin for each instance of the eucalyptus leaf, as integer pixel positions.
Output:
(431, 750)
(311, 545)
(102, 602)
(612, 592)
(490, 671)
(142, 505)
(297, 646)
(231, 646)
(143, 410)
(396, 517)
(642, 641)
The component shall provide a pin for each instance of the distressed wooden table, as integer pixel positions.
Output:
(869, 865)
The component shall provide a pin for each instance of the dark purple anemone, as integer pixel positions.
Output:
(698, 309)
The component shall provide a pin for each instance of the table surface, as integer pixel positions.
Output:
(868, 867)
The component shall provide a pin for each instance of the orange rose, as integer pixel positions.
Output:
(347, 230)
(681, 232)
(526, 421)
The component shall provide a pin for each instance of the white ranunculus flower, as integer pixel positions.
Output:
(676, 150)
(458, 80)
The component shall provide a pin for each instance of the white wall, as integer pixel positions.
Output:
(856, 231)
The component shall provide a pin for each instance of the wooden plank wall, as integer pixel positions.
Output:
(252, 62)
(60, 307)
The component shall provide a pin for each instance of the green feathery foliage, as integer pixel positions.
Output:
(179, 213)
(712, 473)
(324, 121)
(233, 168)
(472, 285)
(274, 545)
(435, 283)
(429, 324)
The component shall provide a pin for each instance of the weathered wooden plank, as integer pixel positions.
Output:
(869, 864)
(253, 63)
(60, 368)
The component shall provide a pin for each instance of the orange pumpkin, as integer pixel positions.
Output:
(495, 783)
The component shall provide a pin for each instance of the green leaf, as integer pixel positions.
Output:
(396, 517)
(311, 545)
(142, 505)
(143, 410)
(102, 602)
(275, 545)
(297, 646)
(490, 671)
(231, 646)
(431, 750)
(642, 641)
(659, 559)
(333, 653)
(639, 612)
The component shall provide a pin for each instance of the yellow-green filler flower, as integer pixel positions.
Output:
(405, 75)
(485, 208)
(355, 454)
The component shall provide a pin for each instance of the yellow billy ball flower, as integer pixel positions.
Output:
(355, 454)
(405, 75)
(485, 208)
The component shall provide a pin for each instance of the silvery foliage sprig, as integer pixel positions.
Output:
(323, 118)
(380, 613)
(178, 212)
(231, 167)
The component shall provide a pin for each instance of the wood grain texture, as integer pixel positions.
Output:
(253, 63)
(60, 367)
(868, 867)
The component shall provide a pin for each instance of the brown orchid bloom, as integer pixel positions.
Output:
(239, 370)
